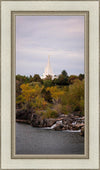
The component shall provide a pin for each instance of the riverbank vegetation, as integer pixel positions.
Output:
(50, 98)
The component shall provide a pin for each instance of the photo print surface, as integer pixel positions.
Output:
(50, 85)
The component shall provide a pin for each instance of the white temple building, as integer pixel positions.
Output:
(48, 70)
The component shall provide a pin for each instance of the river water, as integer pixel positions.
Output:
(30, 140)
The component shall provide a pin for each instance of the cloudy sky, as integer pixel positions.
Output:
(61, 37)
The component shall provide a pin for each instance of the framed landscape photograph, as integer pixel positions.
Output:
(50, 100)
(50, 85)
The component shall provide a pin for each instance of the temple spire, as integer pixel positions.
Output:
(48, 58)
(48, 69)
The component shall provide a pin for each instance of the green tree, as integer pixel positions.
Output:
(37, 78)
(48, 77)
(64, 73)
(46, 95)
(63, 78)
(55, 81)
(72, 79)
(47, 82)
(81, 76)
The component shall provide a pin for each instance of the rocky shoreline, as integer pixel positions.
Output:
(63, 122)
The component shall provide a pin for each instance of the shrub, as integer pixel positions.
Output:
(58, 108)
(66, 109)
(75, 97)
(49, 113)
(47, 83)
(53, 114)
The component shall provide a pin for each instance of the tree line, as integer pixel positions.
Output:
(62, 79)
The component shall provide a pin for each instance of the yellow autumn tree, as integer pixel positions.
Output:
(56, 93)
(31, 95)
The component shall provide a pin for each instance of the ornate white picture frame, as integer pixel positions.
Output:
(7, 145)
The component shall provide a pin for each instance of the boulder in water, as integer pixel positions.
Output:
(58, 127)
(36, 120)
(50, 122)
